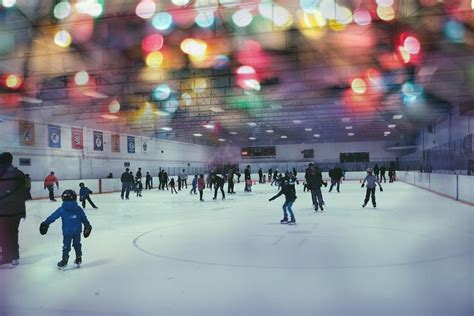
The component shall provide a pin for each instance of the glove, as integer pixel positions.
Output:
(43, 228)
(87, 231)
(363, 185)
(381, 190)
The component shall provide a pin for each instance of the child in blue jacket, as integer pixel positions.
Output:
(84, 195)
(194, 184)
(73, 217)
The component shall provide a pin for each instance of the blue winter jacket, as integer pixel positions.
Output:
(195, 182)
(72, 216)
(84, 192)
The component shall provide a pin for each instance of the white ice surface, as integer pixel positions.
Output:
(172, 255)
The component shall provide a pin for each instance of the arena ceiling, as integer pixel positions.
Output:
(240, 72)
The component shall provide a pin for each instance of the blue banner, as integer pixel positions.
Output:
(131, 144)
(98, 141)
(54, 136)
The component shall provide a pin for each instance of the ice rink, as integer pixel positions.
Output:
(172, 255)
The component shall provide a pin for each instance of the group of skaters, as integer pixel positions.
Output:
(379, 172)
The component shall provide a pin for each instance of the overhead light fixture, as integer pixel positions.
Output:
(269, 131)
(284, 136)
(95, 94)
(275, 106)
(216, 109)
(346, 119)
(392, 125)
(233, 133)
(252, 138)
(197, 134)
(308, 129)
(221, 139)
(387, 133)
(317, 135)
(162, 113)
(397, 116)
(209, 126)
(297, 121)
(167, 129)
(350, 134)
(252, 124)
(110, 116)
(31, 100)
(348, 127)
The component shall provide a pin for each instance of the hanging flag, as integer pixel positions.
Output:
(27, 133)
(115, 143)
(54, 136)
(77, 138)
(98, 141)
(131, 144)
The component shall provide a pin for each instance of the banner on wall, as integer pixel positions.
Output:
(54, 136)
(98, 141)
(77, 138)
(27, 133)
(115, 143)
(131, 144)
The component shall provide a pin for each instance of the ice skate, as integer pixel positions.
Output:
(284, 221)
(292, 222)
(78, 262)
(363, 205)
(321, 207)
(63, 263)
(316, 208)
(374, 205)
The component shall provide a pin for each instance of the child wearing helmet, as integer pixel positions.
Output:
(372, 182)
(73, 217)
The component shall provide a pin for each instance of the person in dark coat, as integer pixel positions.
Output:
(383, 169)
(287, 189)
(127, 180)
(84, 195)
(260, 175)
(247, 178)
(336, 175)
(218, 185)
(12, 209)
(377, 170)
(28, 187)
(230, 182)
(165, 180)
(315, 182)
(172, 186)
(148, 181)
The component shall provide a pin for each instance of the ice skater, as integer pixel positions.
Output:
(218, 185)
(84, 195)
(287, 189)
(172, 186)
(127, 181)
(201, 187)
(194, 185)
(336, 175)
(73, 217)
(138, 186)
(372, 182)
(315, 182)
(230, 182)
(148, 181)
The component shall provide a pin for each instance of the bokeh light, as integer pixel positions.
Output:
(359, 85)
(171, 106)
(114, 106)
(245, 70)
(282, 17)
(62, 10)
(154, 59)
(221, 61)
(309, 6)
(152, 43)
(8, 3)
(162, 92)
(92, 8)
(194, 47)
(404, 54)
(145, 9)
(229, 3)
(412, 45)
(242, 18)
(162, 21)
(362, 17)
(81, 78)
(180, 3)
(199, 85)
(385, 3)
(205, 19)
(454, 31)
(62, 38)
(13, 81)
(386, 13)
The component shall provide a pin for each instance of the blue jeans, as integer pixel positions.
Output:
(287, 209)
(76, 243)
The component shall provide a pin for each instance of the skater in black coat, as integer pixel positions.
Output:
(315, 182)
(218, 185)
(260, 175)
(165, 180)
(336, 175)
(230, 182)
(148, 181)
(287, 189)
(172, 186)
(383, 169)
(247, 178)
(12, 209)
(127, 180)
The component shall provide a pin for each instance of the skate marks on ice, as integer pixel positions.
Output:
(249, 249)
